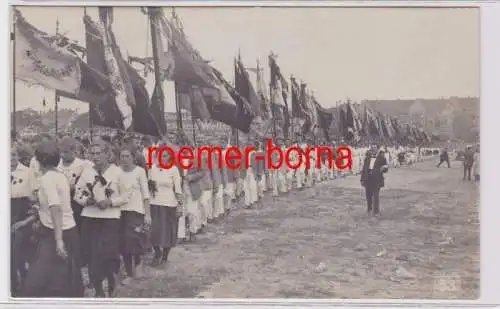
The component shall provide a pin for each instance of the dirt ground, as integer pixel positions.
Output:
(320, 243)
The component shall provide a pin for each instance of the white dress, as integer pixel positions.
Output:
(476, 166)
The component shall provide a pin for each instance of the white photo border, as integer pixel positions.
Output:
(490, 153)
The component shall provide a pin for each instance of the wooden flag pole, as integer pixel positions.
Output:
(235, 131)
(177, 103)
(91, 123)
(56, 96)
(339, 121)
(292, 127)
(13, 40)
(158, 77)
(193, 130)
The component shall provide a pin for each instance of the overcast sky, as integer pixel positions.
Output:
(360, 53)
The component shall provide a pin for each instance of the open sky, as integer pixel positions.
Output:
(356, 53)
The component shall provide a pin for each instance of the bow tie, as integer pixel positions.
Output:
(99, 178)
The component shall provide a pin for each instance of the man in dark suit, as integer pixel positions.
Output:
(443, 157)
(372, 177)
(468, 162)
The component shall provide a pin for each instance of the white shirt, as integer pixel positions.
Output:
(82, 194)
(22, 182)
(54, 190)
(74, 170)
(372, 163)
(168, 184)
(135, 183)
(35, 165)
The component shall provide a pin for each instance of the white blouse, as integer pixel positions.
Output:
(22, 182)
(135, 183)
(168, 184)
(88, 179)
(54, 190)
(73, 171)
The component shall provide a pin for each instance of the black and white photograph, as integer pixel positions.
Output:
(357, 140)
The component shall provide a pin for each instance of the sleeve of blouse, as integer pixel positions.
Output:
(32, 182)
(143, 182)
(49, 186)
(81, 191)
(119, 198)
(32, 163)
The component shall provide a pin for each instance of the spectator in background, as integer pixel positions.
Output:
(468, 162)
(444, 157)
(476, 164)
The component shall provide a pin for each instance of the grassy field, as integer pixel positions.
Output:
(320, 243)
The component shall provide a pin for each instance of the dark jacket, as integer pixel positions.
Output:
(468, 158)
(444, 155)
(375, 177)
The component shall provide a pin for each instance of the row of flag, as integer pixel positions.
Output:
(118, 98)
(359, 122)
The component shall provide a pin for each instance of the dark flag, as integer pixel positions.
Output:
(156, 109)
(347, 122)
(325, 119)
(244, 87)
(104, 113)
(383, 125)
(148, 115)
(239, 116)
(279, 93)
(143, 120)
(309, 111)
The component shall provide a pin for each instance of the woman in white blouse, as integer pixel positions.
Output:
(98, 193)
(55, 271)
(135, 214)
(166, 198)
(72, 167)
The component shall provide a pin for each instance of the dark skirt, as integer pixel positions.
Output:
(100, 247)
(22, 243)
(133, 237)
(164, 226)
(51, 276)
(19, 209)
(77, 213)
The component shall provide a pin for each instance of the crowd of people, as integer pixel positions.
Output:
(93, 207)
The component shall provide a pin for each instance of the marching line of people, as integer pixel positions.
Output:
(97, 210)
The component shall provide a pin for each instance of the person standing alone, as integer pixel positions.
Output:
(372, 177)
(468, 162)
(443, 157)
